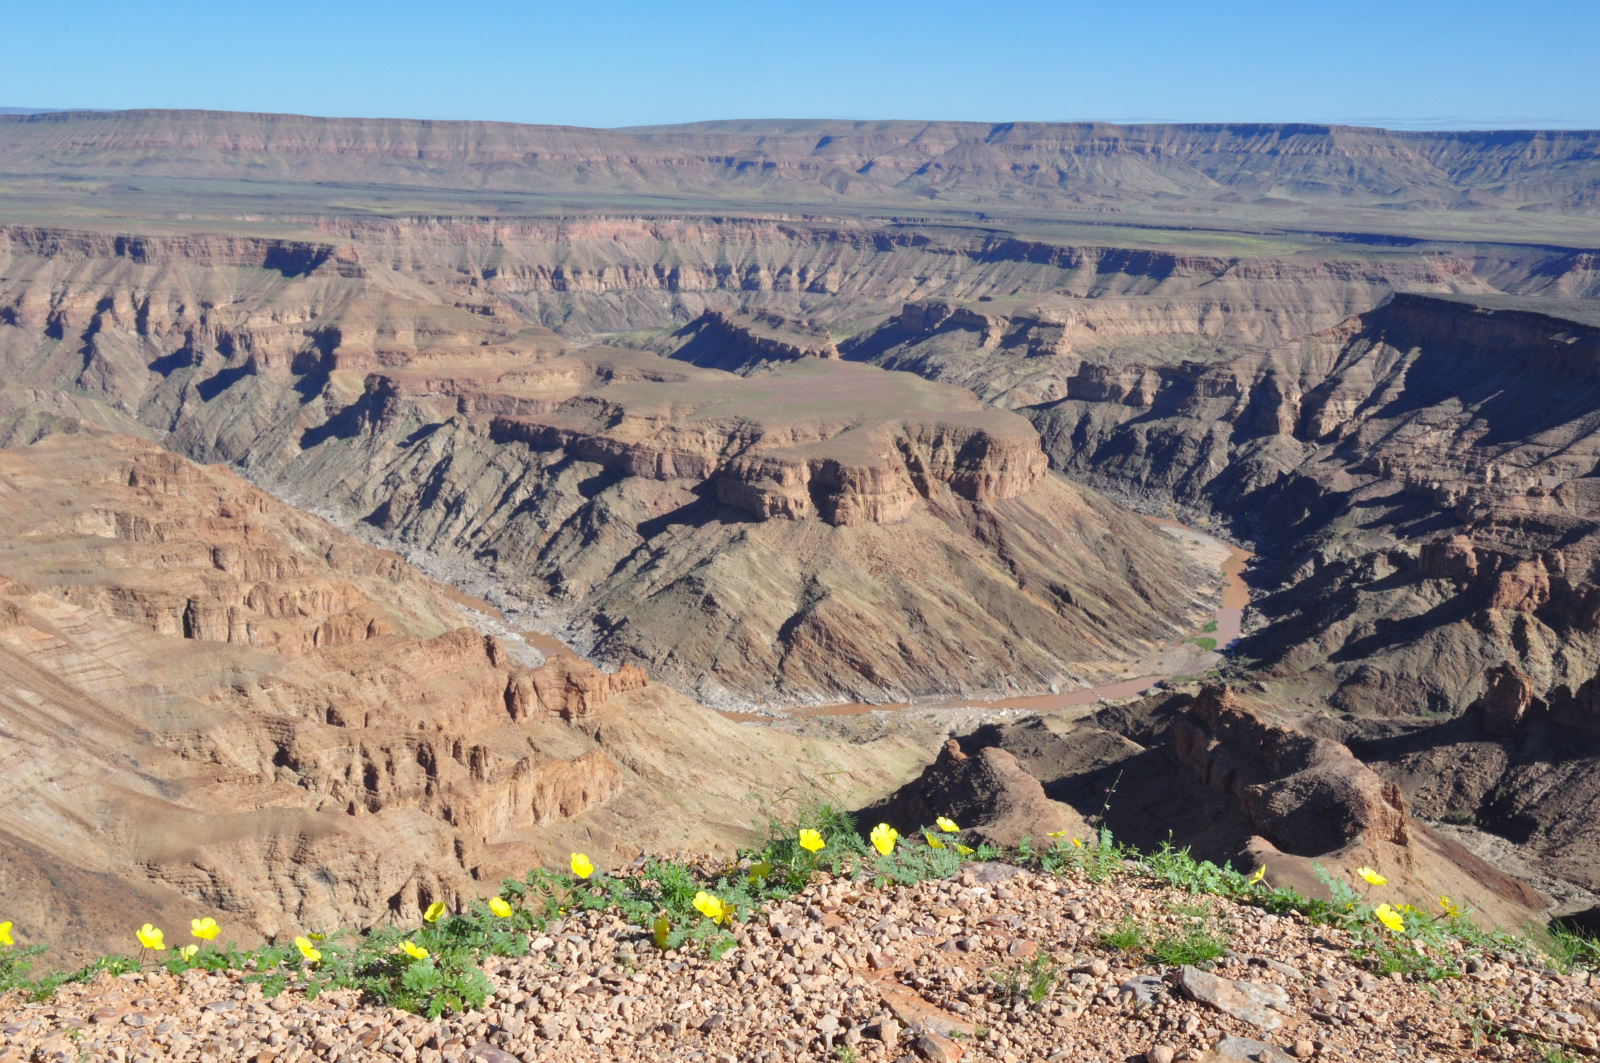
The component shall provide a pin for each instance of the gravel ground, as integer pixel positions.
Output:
(844, 972)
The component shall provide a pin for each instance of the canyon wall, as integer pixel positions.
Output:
(215, 704)
(1016, 164)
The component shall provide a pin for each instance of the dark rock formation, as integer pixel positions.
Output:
(988, 794)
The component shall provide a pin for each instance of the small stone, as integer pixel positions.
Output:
(936, 1049)
(484, 1052)
(1304, 1049)
(1241, 1000)
(1159, 1054)
(1245, 1050)
(1145, 989)
(1099, 968)
(887, 1031)
(878, 961)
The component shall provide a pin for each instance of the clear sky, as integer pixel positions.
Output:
(623, 62)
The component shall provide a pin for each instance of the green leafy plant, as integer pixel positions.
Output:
(910, 864)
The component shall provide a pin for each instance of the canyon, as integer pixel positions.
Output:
(759, 416)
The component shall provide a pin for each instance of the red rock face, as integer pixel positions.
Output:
(243, 709)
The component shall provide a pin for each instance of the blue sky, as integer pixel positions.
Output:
(615, 63)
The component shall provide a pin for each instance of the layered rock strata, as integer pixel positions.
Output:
(214, 704)
(821, 531)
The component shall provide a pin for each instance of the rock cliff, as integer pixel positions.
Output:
(213, 703)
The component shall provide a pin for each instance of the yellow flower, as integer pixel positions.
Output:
(581, 865)
(412, 949)
(308, 950)
(1450, 907)
(1077, 843)
(500, 908)
(946, 824)
(151, 938)
(811, 840)
(932, 841)
(759, 872)
(883, 838)
(660, 930)
(1056, 834)
(435, 910)
(1261, 873)
(1390, 918)
(1372, 877)
(205, 929)
(5, 933)
(964, 850)
(712, 908)
(188, 951)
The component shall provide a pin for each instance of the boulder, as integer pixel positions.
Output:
(988, 793)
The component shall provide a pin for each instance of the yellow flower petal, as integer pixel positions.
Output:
(307, 950)
(188, 951)
(932, 841)
(1372, 877)
(205, 929)
(5, 933)
(151, 938)
(964, 850)
(1077, 843)
(712, 908)
(500, 908)
(811, 840)
(1261, 873)
(946, 824)
(412, 949)
(883, 838)
(435, 910)
(581, 865)
(1390, 918)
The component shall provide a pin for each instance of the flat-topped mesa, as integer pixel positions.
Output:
(817, 438)
(889, 470)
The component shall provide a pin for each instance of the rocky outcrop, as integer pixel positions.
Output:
(1235, 778)
(742, 341)
(988, 794)
(1507, 699)
(1306, 795)
(569, 687)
